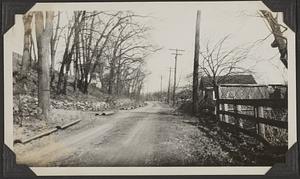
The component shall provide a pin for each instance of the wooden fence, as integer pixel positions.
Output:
(257, 116)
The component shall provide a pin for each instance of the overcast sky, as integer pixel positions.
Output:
(174, 27)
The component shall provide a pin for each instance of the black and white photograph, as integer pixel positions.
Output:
(150, 84)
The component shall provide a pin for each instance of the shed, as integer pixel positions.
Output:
(234, 91)
(206, 81)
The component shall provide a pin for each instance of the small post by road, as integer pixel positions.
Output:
(175, 69)
(196, 65)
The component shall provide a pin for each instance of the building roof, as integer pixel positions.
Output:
(206, 81)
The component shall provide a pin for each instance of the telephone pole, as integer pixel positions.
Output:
(176, 55)
(169, 85)
(196, 65)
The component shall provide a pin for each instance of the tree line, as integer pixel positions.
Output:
(108, 47)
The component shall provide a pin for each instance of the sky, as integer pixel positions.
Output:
(174, 27)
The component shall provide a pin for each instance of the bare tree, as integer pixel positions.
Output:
(43, 36)
(118, 38)
(219, 64)
(78, 28)
(280, 41)
(68, 53)
(92, 52)
(137, 83)
(130, 48)
(100, 42)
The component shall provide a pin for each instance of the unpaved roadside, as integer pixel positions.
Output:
(147, 136)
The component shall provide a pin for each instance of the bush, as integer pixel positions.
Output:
(186, 108)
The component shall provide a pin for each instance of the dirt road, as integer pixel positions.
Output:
(149, 136)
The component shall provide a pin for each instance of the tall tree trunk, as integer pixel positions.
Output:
(76, 41)
(76, 72)
(33, 51)
(82, 60)
(53, 45)
(61, 73)
(67, 66)
(43, 35)
(111, 77)
(64, 62)
(27, 19)
(30, 52)
(52, 72)
(85, 82)
(66, 76)
(112, 70)
(118, 81)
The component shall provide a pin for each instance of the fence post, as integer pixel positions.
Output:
(221, 108)
(238, 109)
(255, 115)
(217, 109)
(225, 108)
(217, 104)
(261, 127)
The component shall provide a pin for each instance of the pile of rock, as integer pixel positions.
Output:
(25, 105)
(79, 105)
(131, 105)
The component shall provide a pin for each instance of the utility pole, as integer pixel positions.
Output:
(176, 55)
(161, 88)
(169, 85)
(196, 65)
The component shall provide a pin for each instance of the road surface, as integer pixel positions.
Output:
(148, 136)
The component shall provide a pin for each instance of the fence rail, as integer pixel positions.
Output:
(275, 103)
(258, 115)
(247, 132)
(271, 122)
